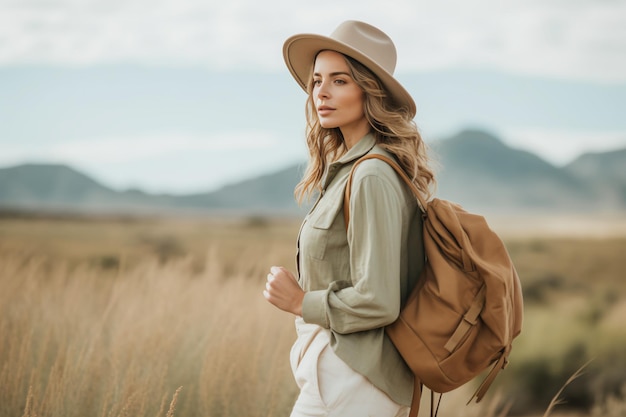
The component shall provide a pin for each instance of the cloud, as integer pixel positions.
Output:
(584, 39)
(136, 148)
(174, 162)
(566, 39)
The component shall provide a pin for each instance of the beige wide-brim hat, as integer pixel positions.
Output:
(361, 41)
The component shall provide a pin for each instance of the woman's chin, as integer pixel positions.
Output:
(328, 125)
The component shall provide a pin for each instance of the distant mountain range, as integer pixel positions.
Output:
(474, 168)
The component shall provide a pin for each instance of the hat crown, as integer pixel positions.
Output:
(357, 40)
(368, 40)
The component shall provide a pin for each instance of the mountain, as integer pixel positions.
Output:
(271, 193)
(53, 187)
(32, 184)
(59, 187)
(481, 172)
(605, 172)
(473, 168)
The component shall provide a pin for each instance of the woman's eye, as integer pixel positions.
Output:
(317, 82)
(340, 82)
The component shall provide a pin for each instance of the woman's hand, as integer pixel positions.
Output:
(282, 290)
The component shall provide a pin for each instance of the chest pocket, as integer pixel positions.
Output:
(326, 229)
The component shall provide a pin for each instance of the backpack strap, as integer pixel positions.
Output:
(346, 197)
(484, 386)
(417, 397)
(434, 410)
(469, 320)
(418, 387)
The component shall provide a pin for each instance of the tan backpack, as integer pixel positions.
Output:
(467, 306)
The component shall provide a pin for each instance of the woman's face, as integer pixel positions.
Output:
(337, 97)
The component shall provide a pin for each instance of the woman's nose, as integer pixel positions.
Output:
(322, 91)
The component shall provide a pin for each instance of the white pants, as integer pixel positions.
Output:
(329, 387)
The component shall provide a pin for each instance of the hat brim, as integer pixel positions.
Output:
(299, 52)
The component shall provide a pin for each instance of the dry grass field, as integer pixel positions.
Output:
(163, 317)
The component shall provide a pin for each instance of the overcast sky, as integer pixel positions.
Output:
(562, 38)
(577, 41)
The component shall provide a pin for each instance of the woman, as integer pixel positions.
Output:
(352, 281)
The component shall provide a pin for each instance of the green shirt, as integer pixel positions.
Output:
(356, 281)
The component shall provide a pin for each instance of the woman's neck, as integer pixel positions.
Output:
(353, 134)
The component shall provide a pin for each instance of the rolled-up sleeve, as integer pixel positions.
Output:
(370, 296)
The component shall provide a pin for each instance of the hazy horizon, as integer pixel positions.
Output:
(182, 96)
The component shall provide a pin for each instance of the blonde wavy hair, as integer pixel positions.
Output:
(391, 124)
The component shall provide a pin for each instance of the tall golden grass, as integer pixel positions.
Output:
(165, 318)
(155, 339)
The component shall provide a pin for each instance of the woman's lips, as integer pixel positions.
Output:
(324, 110)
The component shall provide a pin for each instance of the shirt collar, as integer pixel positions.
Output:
(363, 146)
